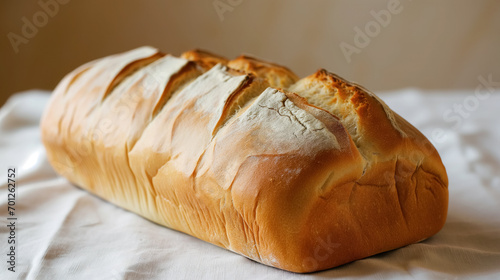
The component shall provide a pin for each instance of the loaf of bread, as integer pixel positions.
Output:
(300, 174)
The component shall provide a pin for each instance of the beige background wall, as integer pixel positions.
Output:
(426, 44)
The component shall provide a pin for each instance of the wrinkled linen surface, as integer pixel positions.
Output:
(63, 232)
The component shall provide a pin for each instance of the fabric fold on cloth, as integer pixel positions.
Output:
(63, 232)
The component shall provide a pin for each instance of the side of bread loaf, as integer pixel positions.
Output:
(302, 175)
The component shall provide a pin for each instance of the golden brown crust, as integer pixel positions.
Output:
(203, 58)
(307, 177)
(403, 185)
(277, 75)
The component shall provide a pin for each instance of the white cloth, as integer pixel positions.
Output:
(63, 232)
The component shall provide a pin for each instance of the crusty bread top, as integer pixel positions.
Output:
(203, 58)
(379, 134)
(278, 76)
